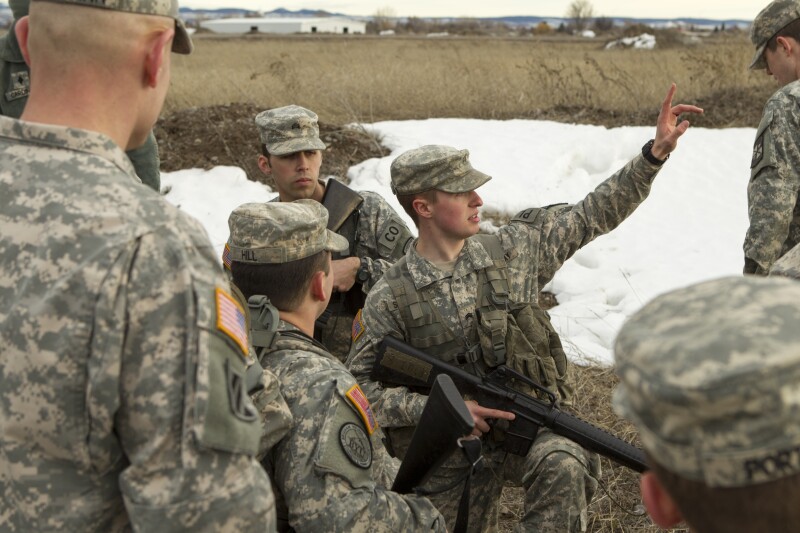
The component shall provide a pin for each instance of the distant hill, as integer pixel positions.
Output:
(522, 20)
(227, 12)
(525, 20)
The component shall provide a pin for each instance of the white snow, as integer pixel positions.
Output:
(690, 229)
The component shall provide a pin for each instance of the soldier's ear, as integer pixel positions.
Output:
(263, 164)
(422, 207)
(159, 45)
(22, 29)
(659, 504)
(318, 287)
(787, 44)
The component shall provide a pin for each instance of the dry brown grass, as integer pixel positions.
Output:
(369, 78)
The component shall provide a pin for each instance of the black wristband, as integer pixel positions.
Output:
(362, 275)
(648, 154)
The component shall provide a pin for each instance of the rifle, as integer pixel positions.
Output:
(401, 364)
(444, 421)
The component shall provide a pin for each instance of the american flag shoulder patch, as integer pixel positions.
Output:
(360, 402)
(226, 256)
(358, 326)
(231, 319)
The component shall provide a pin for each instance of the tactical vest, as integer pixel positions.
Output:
(503, 332)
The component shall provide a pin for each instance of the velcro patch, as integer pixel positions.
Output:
(359, 400)
(358, 327)
(356, 445)
(20, 86)
(392, 234)
(758, 151)
(226, 256)
(231, 319)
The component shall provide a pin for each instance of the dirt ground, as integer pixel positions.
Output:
(205, 137)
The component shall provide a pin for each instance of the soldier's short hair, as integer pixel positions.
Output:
(407, 203)
(284, 284)
(791, 30)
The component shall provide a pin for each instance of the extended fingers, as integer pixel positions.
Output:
(486, 412)
(667, 103)
(686, 108)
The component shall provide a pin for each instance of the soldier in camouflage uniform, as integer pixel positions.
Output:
(443, 276)
(120, 345)
(331, 471)
(15, 87)
(710, 376)
(774, 187)
(292, 156)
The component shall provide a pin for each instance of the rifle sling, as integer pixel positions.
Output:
(340, 201)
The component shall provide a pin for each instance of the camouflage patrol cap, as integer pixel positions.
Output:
(435, 167)
(772, 19)
(181, 44)
(279, 232)
(19, 8)
(289, 129)
(710, 375)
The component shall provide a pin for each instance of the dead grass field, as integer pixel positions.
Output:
(217, 90)
(363, 78)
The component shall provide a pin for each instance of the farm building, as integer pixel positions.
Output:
(285, 25)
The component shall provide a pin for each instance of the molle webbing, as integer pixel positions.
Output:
(493, 300)
(425, 328)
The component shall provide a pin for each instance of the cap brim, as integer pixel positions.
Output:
(295, 145)
(468, 182)
(182, 43)
(758, 62)
(336, 243)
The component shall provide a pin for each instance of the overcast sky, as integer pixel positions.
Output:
(713, 9)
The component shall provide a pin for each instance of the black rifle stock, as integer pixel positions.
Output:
(401, 364)
(444, 421)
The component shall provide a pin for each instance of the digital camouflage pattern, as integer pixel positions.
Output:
(774, 187)
(768, 22)
(435, 167)
(788, 265)
(120, 393)
(280, 232)
(537, 242)
(555, 480)
(289, 129)
(275, 414)
(710, 375)
(182, 44)
(15, 85)
(331, 471)
(380, 238)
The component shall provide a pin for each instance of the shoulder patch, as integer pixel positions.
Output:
(358, 327)
(356, 445)
(231, 319)
(528, 216)
(20, 85)
(226, 257)
(758, 151)
(394, 236)
(360, 402)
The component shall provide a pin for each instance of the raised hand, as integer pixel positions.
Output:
(668, 131)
